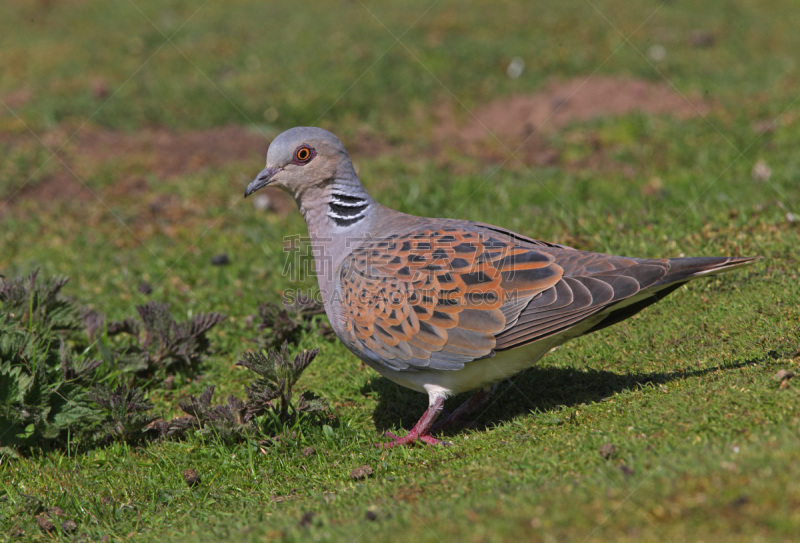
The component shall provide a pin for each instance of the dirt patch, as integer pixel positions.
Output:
(369, 143)
(168, 154)
(17, 98)
(61, 186)
(518, 122)
(140, 157)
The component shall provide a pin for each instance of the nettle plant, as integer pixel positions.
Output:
(68, 378)
(268, 408)
(160, 344)
(278, 373)
(288, 323)
(45, 371)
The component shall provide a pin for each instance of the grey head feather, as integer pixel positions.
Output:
(281, 150)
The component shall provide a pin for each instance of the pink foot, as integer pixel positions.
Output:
(411, 438)
(421, 430)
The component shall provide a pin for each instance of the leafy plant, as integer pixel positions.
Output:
(48, 391)
(43, 382)
(278, 374)
(48, 380)
(288, 323)
(125, 413)
(35, 303)
(270, 394)
(227, 421)
(162, 343)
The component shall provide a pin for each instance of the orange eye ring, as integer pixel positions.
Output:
(303, 154)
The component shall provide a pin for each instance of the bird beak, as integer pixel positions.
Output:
(262, 180)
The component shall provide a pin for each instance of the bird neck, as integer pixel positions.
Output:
(339, 207)
(347, 208)
(339, 214)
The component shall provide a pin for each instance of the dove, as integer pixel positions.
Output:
(444, 306)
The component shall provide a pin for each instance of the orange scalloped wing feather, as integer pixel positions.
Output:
(438, 298)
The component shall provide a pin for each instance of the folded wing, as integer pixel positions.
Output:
(442, 298)
(438, 298)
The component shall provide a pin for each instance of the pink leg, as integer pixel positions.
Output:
(421, 430)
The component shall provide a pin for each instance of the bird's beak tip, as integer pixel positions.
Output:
(262, 180)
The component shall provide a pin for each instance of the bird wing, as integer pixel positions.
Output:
(591, 283)
(612, 288)
(437, 298)
(441, 298)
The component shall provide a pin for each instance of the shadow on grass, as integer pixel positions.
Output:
(537, 389)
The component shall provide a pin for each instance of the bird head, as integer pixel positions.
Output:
(302, 158)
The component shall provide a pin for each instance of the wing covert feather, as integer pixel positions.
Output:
(438, 298)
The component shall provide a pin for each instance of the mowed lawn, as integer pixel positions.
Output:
(129, 130)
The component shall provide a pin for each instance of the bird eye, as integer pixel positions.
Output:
(303, 154)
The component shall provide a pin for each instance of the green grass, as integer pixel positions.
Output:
(706, 439)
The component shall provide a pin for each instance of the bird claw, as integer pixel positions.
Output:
(412, 437)
(421, 430)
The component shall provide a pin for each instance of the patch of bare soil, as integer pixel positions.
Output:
(150, 153)
(518, 123)
(17, 98)
(369, 144)
(61, 186)
(167, 154)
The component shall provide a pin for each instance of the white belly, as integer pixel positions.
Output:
(475, 374)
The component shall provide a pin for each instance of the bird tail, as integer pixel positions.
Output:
(680, 271)
(684, 269)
